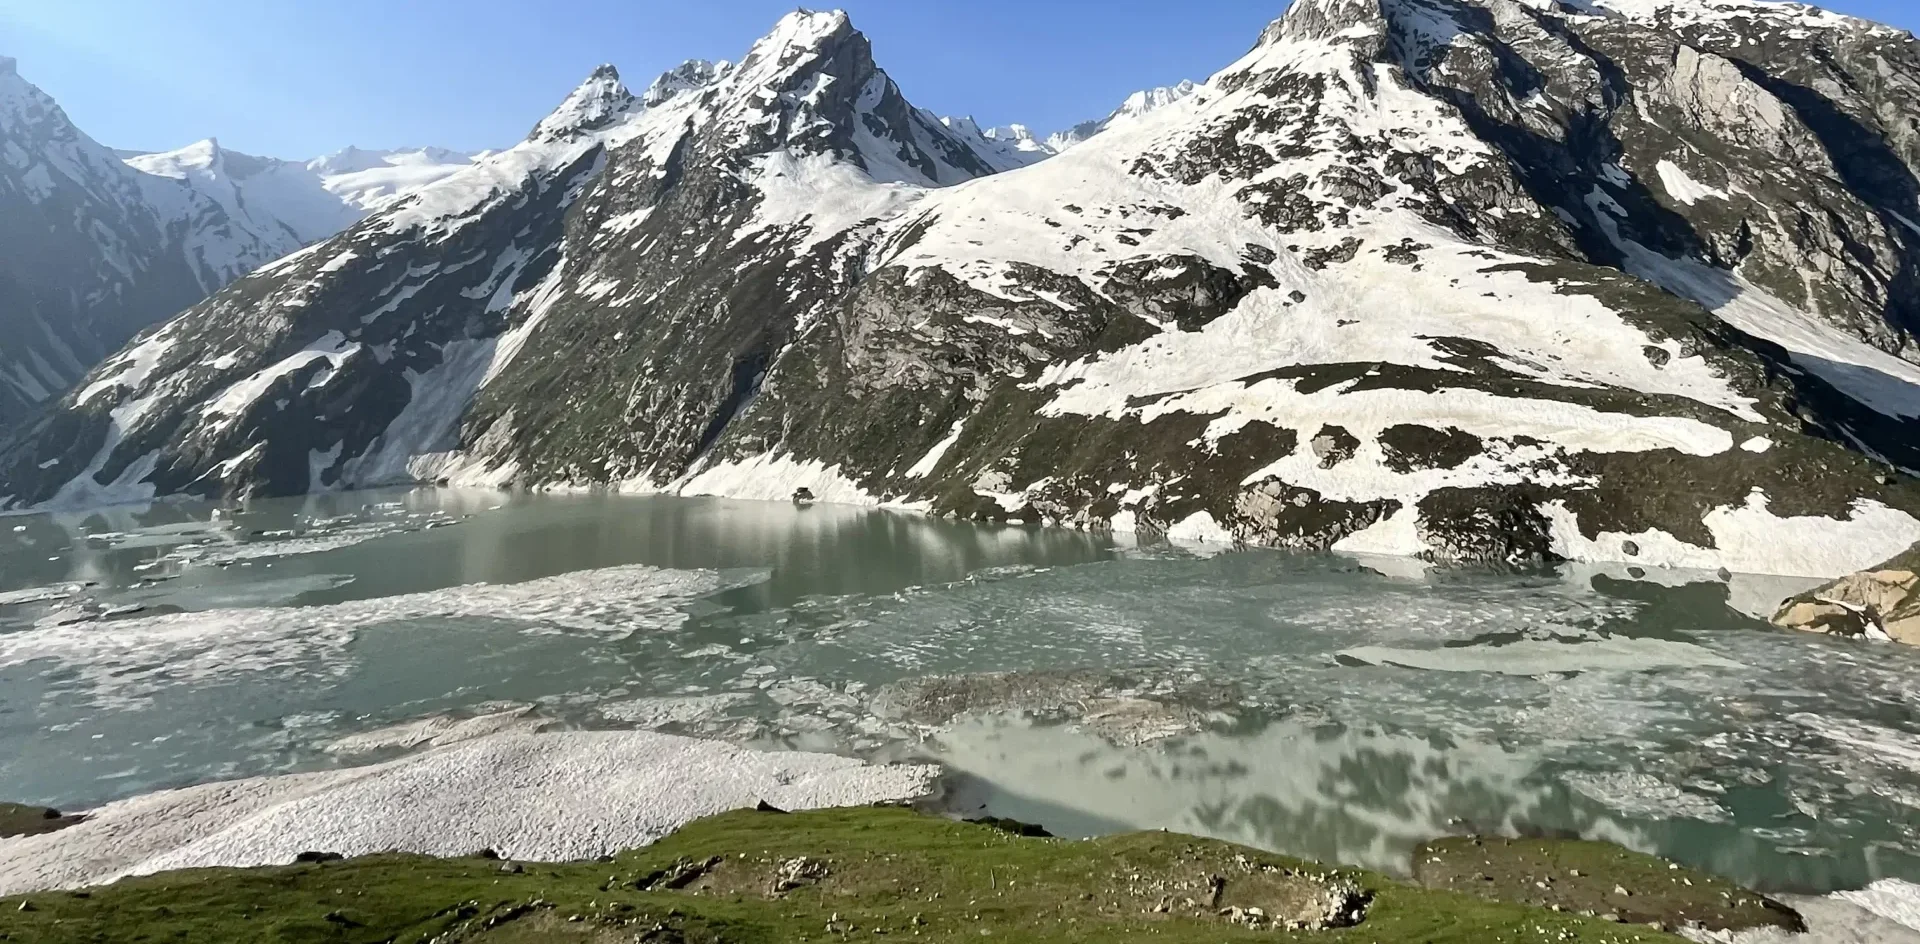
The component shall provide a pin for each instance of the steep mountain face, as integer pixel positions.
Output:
(1463, 279)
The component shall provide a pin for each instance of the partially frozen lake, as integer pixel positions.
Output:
(1326, 706)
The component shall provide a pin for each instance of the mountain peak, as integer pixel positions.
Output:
(1146, 100)
(804, 29)
(964, 124)
(1321, 19)
(9, 65)
(799, 37)
(200, 157)
(1136, 105)
(689, 75)
(594, 105)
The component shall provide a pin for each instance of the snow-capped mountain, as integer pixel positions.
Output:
(1138, 105)
(290, 204)
(98, 243)
(280, 203)
(1006, 148)
(1467, 279)
(90, 249)
(1017, 146)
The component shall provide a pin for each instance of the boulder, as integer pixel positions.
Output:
(1881, 603)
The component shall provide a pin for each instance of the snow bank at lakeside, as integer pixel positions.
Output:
(539, 797)
(1885, 912)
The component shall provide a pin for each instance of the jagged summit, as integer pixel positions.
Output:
(687, 76)
(1146, 100)
(1004, 148)
(802, 45)
(9, 65)
(798, 33)
(811, 87)
(203, 152)
(595, 104)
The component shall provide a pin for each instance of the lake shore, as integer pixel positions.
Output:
(603, 836)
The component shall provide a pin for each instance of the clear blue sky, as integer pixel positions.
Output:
(297, 78)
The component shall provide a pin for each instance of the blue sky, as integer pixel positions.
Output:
(297, 78)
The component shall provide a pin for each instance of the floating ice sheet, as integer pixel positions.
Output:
(1541, 657)
(132, 658)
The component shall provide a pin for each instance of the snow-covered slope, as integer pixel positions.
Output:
(1469, 279)
(368, 180)
(1017, 146)
(290, 204)
(278, 202)
(1138, 105)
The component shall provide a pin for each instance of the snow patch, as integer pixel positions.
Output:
(931, 460)
(1199, 528)
(563, 796)
(1751, 539)
(232, 403)
(1683, 188)
(775, 476)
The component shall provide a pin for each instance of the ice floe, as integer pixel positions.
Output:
(1541, 657)
(131, 658)
(1644, 796)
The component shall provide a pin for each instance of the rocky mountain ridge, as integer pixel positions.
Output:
(1495, 280)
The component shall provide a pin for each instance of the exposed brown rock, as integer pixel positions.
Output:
(1882, 603)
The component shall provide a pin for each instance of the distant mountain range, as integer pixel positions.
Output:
(306, 201)
(1471, 280)
(138, 249)
(96, 244)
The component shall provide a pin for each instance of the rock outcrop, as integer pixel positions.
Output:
(1882, 603)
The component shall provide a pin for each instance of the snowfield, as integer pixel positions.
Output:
(548, 797)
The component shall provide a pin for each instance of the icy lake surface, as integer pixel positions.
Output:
(1327, 706)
